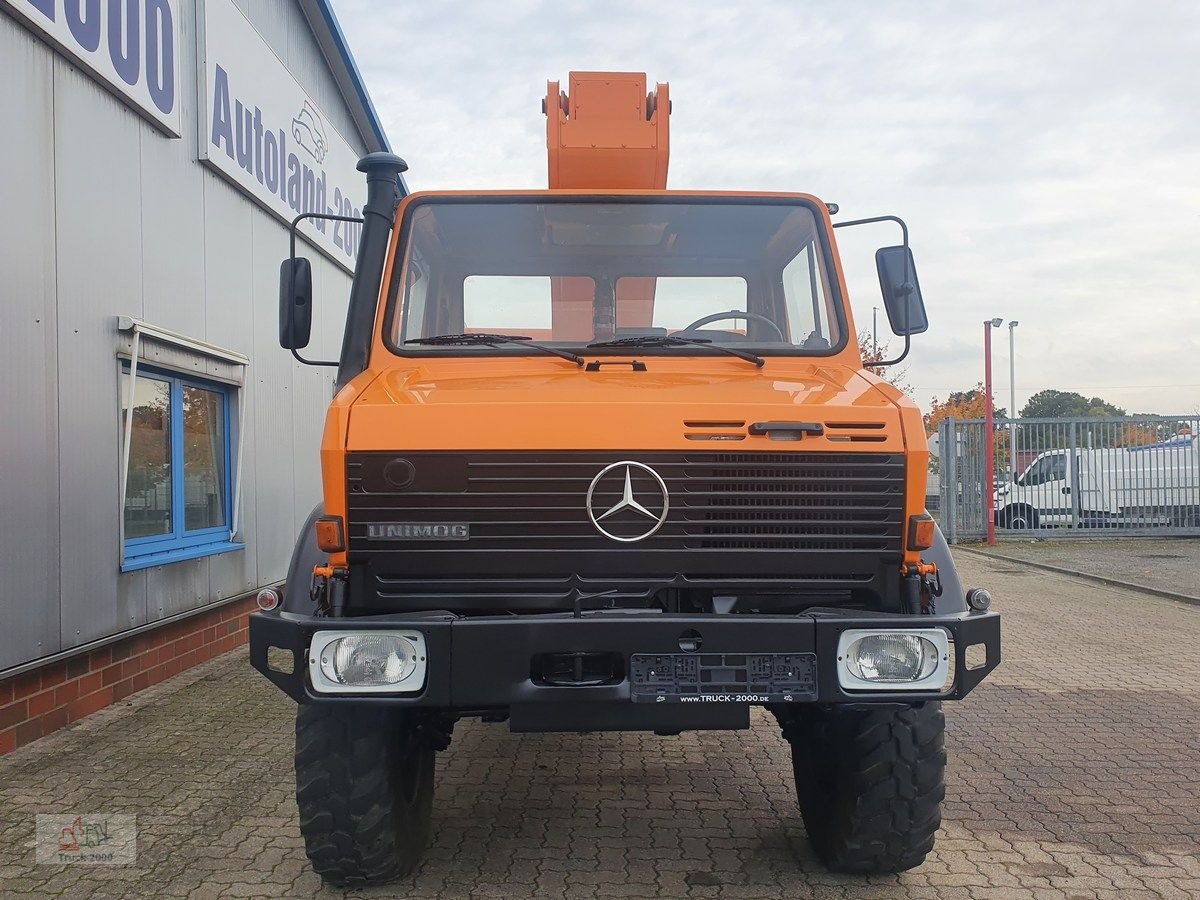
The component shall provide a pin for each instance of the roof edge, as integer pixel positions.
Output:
(332, 41)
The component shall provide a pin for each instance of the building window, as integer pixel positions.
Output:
(178, 490)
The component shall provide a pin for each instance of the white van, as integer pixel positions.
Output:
(1157, 484)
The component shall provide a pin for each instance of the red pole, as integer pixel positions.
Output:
(989, 444)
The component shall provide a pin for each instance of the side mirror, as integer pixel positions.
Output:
(901, 290)
(295, 303)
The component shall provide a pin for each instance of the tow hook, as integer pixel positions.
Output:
(327, 589)
(921, 587)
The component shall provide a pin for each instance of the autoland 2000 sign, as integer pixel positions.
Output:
(261, 130)
(129, 46)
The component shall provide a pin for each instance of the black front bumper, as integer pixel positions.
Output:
(491, 662)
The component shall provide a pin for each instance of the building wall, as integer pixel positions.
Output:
(108, 217)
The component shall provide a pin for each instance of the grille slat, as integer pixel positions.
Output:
(743, 501)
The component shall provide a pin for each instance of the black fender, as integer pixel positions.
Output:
(305, 556)
(953, 598)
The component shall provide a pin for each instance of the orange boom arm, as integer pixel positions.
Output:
(608, 132)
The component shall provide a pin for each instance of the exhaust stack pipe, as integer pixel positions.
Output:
(383, 193)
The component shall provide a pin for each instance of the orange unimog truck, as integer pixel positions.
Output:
(605, 457)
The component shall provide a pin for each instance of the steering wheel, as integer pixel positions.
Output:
(735, 314)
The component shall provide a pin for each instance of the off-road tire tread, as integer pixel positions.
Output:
(357, 826)
(870, 784)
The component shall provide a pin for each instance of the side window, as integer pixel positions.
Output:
(205, 449)
(149, 511)
(1048, 468)
(416, 297)
(1058, 468)
(1033, 475)
(178, 495)
(806, 301)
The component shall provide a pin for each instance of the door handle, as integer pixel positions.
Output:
(1066, 490)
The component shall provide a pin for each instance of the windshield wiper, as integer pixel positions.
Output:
(484, 339)
(672, 340)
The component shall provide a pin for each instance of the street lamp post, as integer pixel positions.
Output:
(1012, 369)
(989, 424)
(1012, 401)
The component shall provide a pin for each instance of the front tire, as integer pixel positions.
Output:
(870, 783)
(1019, 518)
(364, 787)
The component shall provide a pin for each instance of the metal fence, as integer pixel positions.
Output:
(1070, 478)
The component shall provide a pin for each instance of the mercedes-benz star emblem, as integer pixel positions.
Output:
(630, 518)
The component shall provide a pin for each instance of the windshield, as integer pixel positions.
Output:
(754, 275)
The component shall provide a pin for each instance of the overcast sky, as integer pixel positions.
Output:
(1045, 156)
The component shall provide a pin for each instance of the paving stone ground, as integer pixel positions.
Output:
(1168, 564)
(1074, 773)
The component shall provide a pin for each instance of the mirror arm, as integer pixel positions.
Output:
(899, 221)
(904, 232)
(898, 359)
(292, 264)
(314, 362)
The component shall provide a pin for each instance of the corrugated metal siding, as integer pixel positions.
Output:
(29, 548)
(283, 26)
(272, 378)
(228, 322)
(112, 218)
(98, 198)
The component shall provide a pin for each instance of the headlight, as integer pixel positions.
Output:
(367, 661)
(910, 659)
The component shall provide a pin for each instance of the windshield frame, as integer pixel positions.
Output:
(399, 266)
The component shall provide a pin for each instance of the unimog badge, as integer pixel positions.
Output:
(419, 531)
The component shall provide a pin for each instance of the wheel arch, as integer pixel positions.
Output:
(953, 598)
(305, 555)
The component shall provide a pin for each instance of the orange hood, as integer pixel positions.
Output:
(548, 404)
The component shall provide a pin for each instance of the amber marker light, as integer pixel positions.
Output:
(331, 535)
(920, 532)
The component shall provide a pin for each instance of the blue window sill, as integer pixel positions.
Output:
(178, 554)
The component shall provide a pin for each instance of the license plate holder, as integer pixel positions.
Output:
(722, 677)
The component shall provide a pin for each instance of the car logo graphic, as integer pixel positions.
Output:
(638, 513)
(309, 132)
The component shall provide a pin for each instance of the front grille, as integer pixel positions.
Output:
(841, 502)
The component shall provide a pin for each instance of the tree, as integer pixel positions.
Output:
(874, 353)
(970, 404)
(961, 405)
(1051, 404)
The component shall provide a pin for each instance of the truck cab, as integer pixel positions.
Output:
(605, 457)
(1040, 495)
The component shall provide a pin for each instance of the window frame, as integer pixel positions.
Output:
(183, 544)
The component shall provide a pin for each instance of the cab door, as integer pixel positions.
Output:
(1046, 486)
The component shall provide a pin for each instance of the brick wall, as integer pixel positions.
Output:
(42, 700)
